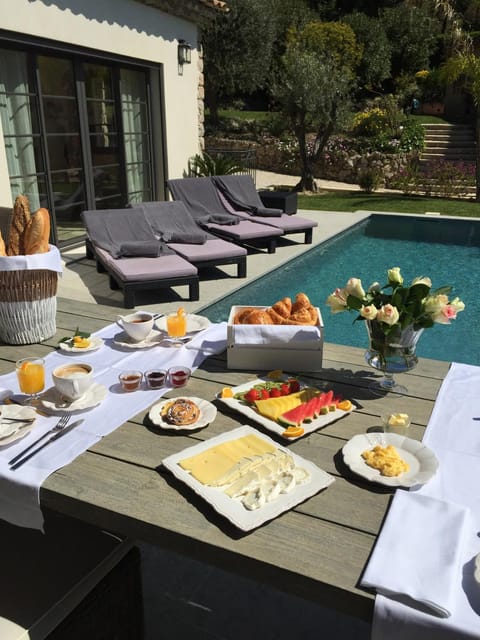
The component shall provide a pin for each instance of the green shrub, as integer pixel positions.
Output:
(369, 180)
(412, 137)
(201, 166)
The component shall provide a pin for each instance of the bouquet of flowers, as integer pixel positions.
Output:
(394, 306)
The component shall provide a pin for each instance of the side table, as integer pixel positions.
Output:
(284, 200)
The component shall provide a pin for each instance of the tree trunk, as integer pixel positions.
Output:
(307, 179)
(477, 153)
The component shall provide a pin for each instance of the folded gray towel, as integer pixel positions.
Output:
(172, 222)
(241, 194)
(138, 248)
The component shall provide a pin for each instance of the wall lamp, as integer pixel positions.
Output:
(184, 53)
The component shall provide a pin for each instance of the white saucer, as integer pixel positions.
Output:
(208, 413)
(194, 323)
(12, 431)
(95, 343)
(122, 339)
(55, 403)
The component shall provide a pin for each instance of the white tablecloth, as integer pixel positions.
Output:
(453, 433)
(19, 489)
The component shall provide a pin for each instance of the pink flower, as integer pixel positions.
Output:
(388, 314)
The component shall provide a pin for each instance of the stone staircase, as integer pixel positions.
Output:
(450, 142)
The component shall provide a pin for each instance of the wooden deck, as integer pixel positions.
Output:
(318, 550)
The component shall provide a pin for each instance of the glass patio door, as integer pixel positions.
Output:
(77, 135)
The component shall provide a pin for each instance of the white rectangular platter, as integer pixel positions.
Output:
(232, 508)
(271, 425)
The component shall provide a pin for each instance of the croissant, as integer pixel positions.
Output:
(301, 301)
(241, 316)
(301, 312)
(283, 307)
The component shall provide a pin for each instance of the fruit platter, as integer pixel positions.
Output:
(286, 405)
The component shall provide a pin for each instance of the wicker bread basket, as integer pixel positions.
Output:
(28, 305)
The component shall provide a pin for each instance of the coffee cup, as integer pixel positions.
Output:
(136, 325)
(72, 381)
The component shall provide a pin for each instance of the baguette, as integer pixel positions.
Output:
(37, 233)
(3, 250)
(20, 221)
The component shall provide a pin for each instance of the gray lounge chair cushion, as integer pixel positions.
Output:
(172, 222)
(133, 269)
(241, 194)
(213, 249)
(123, 232)
(247, 230)
(202, 200)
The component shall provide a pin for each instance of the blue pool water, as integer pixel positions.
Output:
(447, 251)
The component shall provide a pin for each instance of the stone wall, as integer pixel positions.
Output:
(342, 167)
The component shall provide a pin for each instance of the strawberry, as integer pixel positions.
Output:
(294, 385)
(275, 392)
(285, 389)
(265, 394)
(252, 395)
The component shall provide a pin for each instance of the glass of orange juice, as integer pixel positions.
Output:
(177, 326)
(31, 376)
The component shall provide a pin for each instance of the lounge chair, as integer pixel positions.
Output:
(202, 200)
(124, 245)
(239, 196)
(172, 223)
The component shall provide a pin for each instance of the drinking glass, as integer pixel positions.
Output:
(31, 377)
(176, 327)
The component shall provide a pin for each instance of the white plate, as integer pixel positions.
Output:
(122, 339)
(208, 413)
(54, 403)
(421, 460)
(250, 412)
(95, 343)
(194, 323)
(232, 508)
(12, 431)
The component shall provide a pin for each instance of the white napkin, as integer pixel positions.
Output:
(51, 261)
(417, 557)
(211, 341)
(258, 334)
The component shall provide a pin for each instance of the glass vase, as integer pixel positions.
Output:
(391, 354)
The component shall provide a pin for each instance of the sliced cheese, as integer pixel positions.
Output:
(210, 465)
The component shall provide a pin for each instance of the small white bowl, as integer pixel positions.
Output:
(396, 423)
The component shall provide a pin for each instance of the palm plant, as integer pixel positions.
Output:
(203, 165)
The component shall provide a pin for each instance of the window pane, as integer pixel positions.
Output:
(56, 76)
(111, 202)
(68, 188)
(101, 116)
(138, 175)
(61, 115)
(69, 222)
(104, 149)
(19, 113)
(98, 82)
(64, 152)
(136, 147)
(33, 187)
(107, 181)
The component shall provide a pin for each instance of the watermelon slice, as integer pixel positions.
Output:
(294, 417)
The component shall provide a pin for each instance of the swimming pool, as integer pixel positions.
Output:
(446, 250)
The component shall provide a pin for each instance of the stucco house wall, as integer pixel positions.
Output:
(127, 28)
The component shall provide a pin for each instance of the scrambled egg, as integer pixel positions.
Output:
(386, 459)
(80, 342)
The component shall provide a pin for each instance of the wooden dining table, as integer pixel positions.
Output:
(316, 550)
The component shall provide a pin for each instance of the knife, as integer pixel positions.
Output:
(51, 439)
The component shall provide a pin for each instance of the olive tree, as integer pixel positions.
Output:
(315, 88)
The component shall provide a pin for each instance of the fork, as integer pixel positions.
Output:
(58, 427)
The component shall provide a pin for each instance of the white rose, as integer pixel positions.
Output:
(422, 280)
(337, 301)
(388, 314)
(369, 312)
(394, 276)
(458, 305)
(354, 288)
